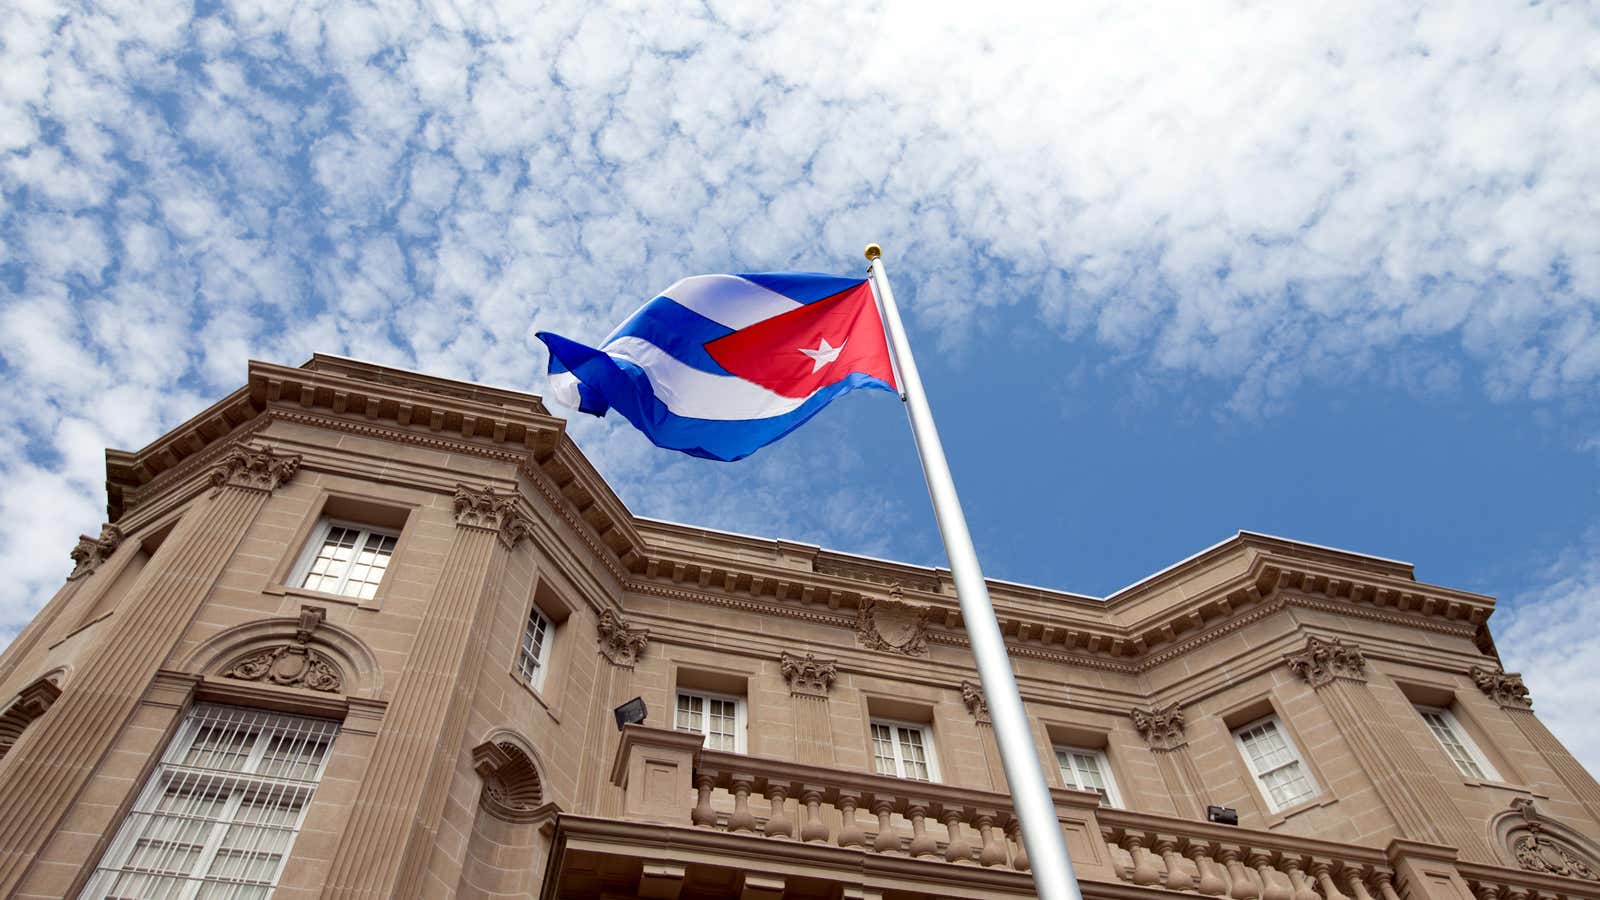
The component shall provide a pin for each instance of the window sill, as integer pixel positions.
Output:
(1505, 786)
(544, 704)
(1278, 818)
(282, 590)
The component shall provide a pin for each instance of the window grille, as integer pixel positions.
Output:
(1086, 770)
(902, 750)
(218, 817)
(534, 651)
(1275, 764)
(348, 560)
(1457, 746)
(719, 718)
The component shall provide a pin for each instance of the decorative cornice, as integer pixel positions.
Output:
(1162, 726)
(977, 704)
(293, 664)
(740, 603)
(620, 644)
(253, 468)
(1322, 661)
(1504, 688)
(563, 507)
(1359, 611)
(91, 552)
(485, 509)
(806, 675)
(893, 625)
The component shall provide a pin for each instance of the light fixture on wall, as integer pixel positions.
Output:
(630, 713)
(1222, 815)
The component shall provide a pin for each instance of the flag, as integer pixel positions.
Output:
(720, 366)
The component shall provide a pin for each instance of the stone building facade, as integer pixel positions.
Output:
(359, 632)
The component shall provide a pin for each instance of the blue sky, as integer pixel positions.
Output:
(1171, 271)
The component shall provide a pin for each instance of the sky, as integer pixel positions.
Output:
(1327, 271)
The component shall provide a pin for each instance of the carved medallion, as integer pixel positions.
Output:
(620, 644)
(1162, 726)
(893, 625)
(1324, 660)
(977, 704)
(1539, 852)
(252, 468)
(807, 675)
(91, 552)
(1504, 688)
(289, 665)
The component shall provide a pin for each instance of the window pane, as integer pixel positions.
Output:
(883, 756)
(722, 727)
(532, 651)
(369, 566)
(912, 754)
(1453, 746)
(691, 715)
(332, 559)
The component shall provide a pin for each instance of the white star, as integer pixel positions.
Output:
(823, 355)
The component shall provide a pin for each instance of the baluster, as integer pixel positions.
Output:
(1486, 891)
(1144, 866)
(1515, 893)
(887, 840)
(994, 849)
(922, 843)
(1211, 880)
(1177, 878)
(1322, 871)
(1355, 886)
(1302, 885)
(704, 816)
(957, 849)
(1242, 885)
(742, 819)
(778, 822)
(1014, 831)
(850, 833)
(1271, 888)
(1385, 882)
(813, 829)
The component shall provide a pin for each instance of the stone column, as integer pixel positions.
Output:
(978, 705)
(809, 681)
(622, 646)
(1408, 788)
(40, 779)
(1507, 689)
(1162, 727)
(393, 821)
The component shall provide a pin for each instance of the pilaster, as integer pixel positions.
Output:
(1408, 788)
(810, 681)
(397, 808)
(978, 705)
(87, 557)
(38, 783)
(1507, 689)
(1162, 728)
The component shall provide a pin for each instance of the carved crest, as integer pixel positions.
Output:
(253, 468)
(893, 624)
(1504, 688)
(1324, 660)
(91, 552)
(622, 645)
(294, 664)
(483, 508)
(977, 704)
(1538, 852)
(1162, 726)
(807, 675)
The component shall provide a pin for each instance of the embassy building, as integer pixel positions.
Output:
(359, 632)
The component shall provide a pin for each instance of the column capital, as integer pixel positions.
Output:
(1504, 688)
(977, 704)
(1162, 726)
(807, 675)
(619, 643)
(485, 509)
(254, 468)
(91, 552)
(1324, 660)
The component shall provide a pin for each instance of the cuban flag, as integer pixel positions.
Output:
(720, 366)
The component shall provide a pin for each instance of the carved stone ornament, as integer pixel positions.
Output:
(893, 625)
(511, 787)
(483, 508)
(622, 645)
(254, 468)
(1162, 726)
(1324, 660)
(977, 704)
(807, 675)
(1538, 852)
(1504, 688)
(295, 664)
(91, 552)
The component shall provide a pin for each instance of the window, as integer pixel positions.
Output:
(903, 750)
(346, 559)
(1272, 759)
(1087, 770)
(720, 718)
(1456, 744)
(533, 655)
(220, 814)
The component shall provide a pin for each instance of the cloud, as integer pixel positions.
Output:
(1261, 195)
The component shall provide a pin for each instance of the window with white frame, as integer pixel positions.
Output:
(1282, 775)
(346, 558)
(1087, 770)
(1457, 744)
(533, 654)
(219, 815)
(717, 716)
(904, 750)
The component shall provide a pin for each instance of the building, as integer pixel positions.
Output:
(358, 632)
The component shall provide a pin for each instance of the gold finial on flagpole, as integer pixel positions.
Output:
(873, 252)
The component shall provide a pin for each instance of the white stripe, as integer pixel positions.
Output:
(729, 300)
(687, 391)
(563, 389)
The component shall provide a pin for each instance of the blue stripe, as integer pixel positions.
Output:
(626, 388)
(802, 287)
(677, 329)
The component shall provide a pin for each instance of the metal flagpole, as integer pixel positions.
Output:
(1053, 878)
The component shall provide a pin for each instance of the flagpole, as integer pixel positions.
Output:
(1053, 878)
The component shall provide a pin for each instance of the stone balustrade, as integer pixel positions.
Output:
(1492, 883)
